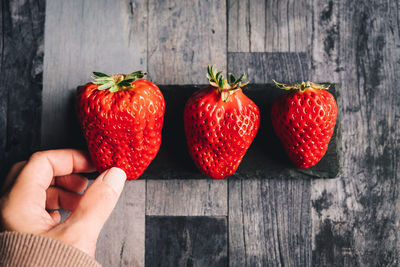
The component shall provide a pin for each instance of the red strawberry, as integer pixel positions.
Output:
(220, 124)
(304, 120)
(121, 118)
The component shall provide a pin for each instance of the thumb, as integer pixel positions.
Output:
(98, 202)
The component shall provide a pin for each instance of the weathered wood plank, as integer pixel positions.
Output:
(105, 35)
(358, 213)
(269, 220)
(184, 37)
(82, 36)
(122, 240)
(263, 67)
(325, 40)
(239, 35)
(187, 198)
(181, 44)
(21, 51)
(186, 241)
(268, 26)
(3, 94)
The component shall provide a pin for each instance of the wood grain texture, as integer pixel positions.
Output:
(3, 99)
(187, 198)
(269, 220)
(263, 67)
(356, 217)
(122, 240)
(107, 36)
(184, 37)
(268, 26)
(21, 52)
(186, 241)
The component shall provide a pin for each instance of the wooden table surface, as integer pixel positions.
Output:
(47, 49)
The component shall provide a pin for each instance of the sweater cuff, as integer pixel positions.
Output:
(22, 249)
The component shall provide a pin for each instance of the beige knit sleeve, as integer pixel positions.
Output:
(20, 249)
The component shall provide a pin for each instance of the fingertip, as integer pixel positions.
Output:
(84, 184)
(55, 215)
(87, 165)
(115, 178)
(81, 183)
(118, 171)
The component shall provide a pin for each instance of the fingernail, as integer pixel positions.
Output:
(115, 177)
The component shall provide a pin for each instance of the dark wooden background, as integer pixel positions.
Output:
(47, 49)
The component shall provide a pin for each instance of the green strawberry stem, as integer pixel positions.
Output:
(116, 82)
(225, 87)
(301, 86)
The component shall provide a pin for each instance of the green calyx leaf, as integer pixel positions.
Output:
(106, 85)
(100, 74)
(225, 86)
(320, 86)
(126, 83)
(116, 82)
(301, 86)
(136, 75)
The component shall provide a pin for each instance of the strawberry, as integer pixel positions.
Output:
(304, 120)
(121, 118)
(220, 124)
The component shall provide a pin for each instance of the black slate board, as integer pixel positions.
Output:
(265, 157)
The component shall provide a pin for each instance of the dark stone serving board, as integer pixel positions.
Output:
(264, 159)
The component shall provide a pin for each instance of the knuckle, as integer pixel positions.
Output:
(37, 156)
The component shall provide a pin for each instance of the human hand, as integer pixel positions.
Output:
(50, 180)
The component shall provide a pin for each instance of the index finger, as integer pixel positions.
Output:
(43, 166)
